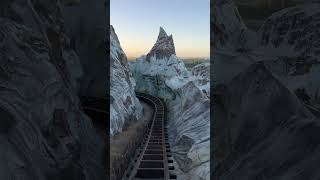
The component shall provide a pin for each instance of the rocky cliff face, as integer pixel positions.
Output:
(86, 24)
(228, 28)
(163, 48)
(44, 133)
(287, 42)
(264, 131)
(292, 41)
(295, 29)
(231, 41)
(162, 74)
(201, 72)
(125, 106)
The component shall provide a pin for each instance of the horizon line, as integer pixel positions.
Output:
(189, 57)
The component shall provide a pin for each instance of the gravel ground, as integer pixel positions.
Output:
(124, 144)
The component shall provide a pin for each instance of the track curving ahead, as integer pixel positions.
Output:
(153, 160)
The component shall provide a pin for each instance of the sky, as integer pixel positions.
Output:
(137, 24)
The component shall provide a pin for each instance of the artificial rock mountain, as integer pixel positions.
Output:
(287, 43)
(163, 48)
(44, 132)
(163, 74)
(125, 106)
(292, 42)
(262, 130)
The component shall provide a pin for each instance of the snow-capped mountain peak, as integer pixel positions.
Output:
(164, 47)
(162, 34)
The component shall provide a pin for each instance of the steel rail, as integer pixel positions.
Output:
(152, 160)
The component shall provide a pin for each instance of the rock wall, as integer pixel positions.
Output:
(231, 41)
(201, 72)
(87, 25)
(287, 42)
(292, 40)
(125, 106)
(264, 131)
(162, 74)
(44, 132)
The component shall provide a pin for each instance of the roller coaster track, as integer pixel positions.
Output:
(153, 160)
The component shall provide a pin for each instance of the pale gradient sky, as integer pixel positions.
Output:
(137, 24)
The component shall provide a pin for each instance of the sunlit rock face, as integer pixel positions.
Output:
(167, 77)
(201, 72)
(264, 131)
(125, 106)
(44, 134)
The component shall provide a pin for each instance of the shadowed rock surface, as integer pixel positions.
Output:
(287, 42)
(295, 30)
(264, 131)
(87, 25)
(44, 133)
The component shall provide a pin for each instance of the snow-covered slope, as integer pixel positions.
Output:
(201, 73)
(124, 104)
(162, 73)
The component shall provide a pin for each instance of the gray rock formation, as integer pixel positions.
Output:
(295, 31)
(163, 48)
(125, 106)
(86, 24)
(228, 28)
(202, 70)
(287, 42)
(290, 40)
(44, 133)
(202, 74)
(264, 131)
(231, 41)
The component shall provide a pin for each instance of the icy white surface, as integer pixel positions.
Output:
(201, 74)
(187, 103)
(124, 104)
